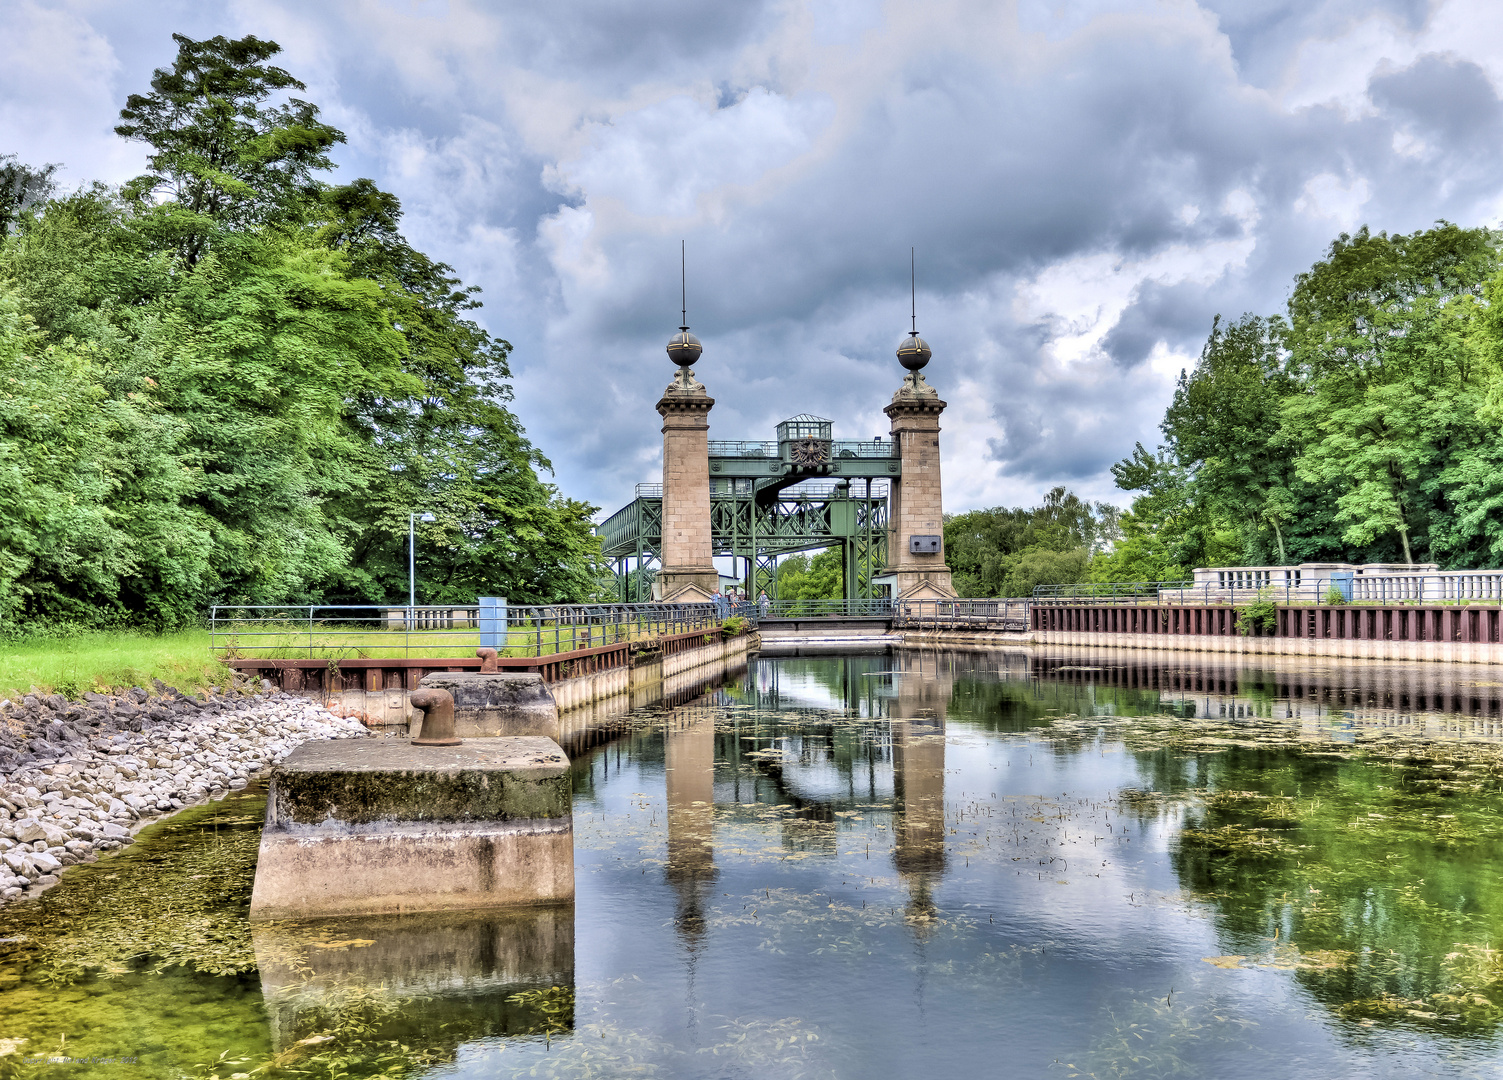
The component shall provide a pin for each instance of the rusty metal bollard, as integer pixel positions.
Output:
(438, 718)
(488, 664)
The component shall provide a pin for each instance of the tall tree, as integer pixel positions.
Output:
(1378, 340)
(251, 379)
(1006, 551)
(1223, 426)
(453, 449)
(221, 152)
(1169, 529)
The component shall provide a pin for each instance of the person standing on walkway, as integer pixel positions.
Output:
(763, 603)
(722, 608)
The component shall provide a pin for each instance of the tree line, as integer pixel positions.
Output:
(1360, 425)
(230, 380)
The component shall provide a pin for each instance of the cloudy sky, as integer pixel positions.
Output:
(1087, 183)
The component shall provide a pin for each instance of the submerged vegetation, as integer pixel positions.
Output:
(917, 833)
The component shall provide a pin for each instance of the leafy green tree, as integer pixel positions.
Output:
(981, 547)
(800, 577)
(92, 524)
(1223, 427)
(1169, 530)
(453, 448)
(231, 381)
(1379, 337)
(221, 152)
(1036, 566)
(1363, 427)
(1006, 551)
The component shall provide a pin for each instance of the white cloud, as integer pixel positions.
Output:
(58, 101)
(1326, 196)
(1088, 184)
(663, 160)
(1080, 300)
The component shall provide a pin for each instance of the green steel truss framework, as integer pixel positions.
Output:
(768, 499)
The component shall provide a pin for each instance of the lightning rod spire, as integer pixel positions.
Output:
(684, 348)
(913, 288)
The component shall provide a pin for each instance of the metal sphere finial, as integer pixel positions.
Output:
(913, 352)
(684, 348)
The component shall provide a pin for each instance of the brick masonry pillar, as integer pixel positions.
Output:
(917, 508)
(688, 556)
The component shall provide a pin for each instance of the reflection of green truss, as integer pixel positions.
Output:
(771, 499)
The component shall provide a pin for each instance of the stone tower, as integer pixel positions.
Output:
(688, 557)
(915, 542)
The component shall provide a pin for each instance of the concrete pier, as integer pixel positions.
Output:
(494, 705)
(376, 826)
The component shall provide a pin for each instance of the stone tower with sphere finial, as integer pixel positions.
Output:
(688, 571)
(916, 516)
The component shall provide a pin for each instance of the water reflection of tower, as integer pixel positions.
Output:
(917, 715)
(689, 758)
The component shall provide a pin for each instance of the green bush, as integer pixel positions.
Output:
(1260, 616)
(1334, 595)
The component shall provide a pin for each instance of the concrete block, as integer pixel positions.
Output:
(378, 826)
(503, 704)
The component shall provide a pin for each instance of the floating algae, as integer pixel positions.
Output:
(926, 868)
(175, 899)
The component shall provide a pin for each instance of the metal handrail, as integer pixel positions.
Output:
(880, 607)
(1107, 589)
(864, 448)
(742, 448)
(1007, 614)
(1343, 587)
(848, 448)
(344, 631)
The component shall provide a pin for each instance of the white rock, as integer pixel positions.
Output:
(34, 829)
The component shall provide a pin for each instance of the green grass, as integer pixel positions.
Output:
(335, 642)
(108, 660)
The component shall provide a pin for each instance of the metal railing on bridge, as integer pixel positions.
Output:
(832, 609)
(839, 448)
(1341, 587)
(962, 614)
(1109, 592)
(357, 631)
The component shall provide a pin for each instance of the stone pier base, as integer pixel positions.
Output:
(490, 705)
(379, 826)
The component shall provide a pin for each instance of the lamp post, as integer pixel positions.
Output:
(412, 518)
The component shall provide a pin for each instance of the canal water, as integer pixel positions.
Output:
(903, 863)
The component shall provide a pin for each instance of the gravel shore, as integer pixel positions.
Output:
(79, 777)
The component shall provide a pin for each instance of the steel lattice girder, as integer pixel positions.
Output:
(790, 523)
